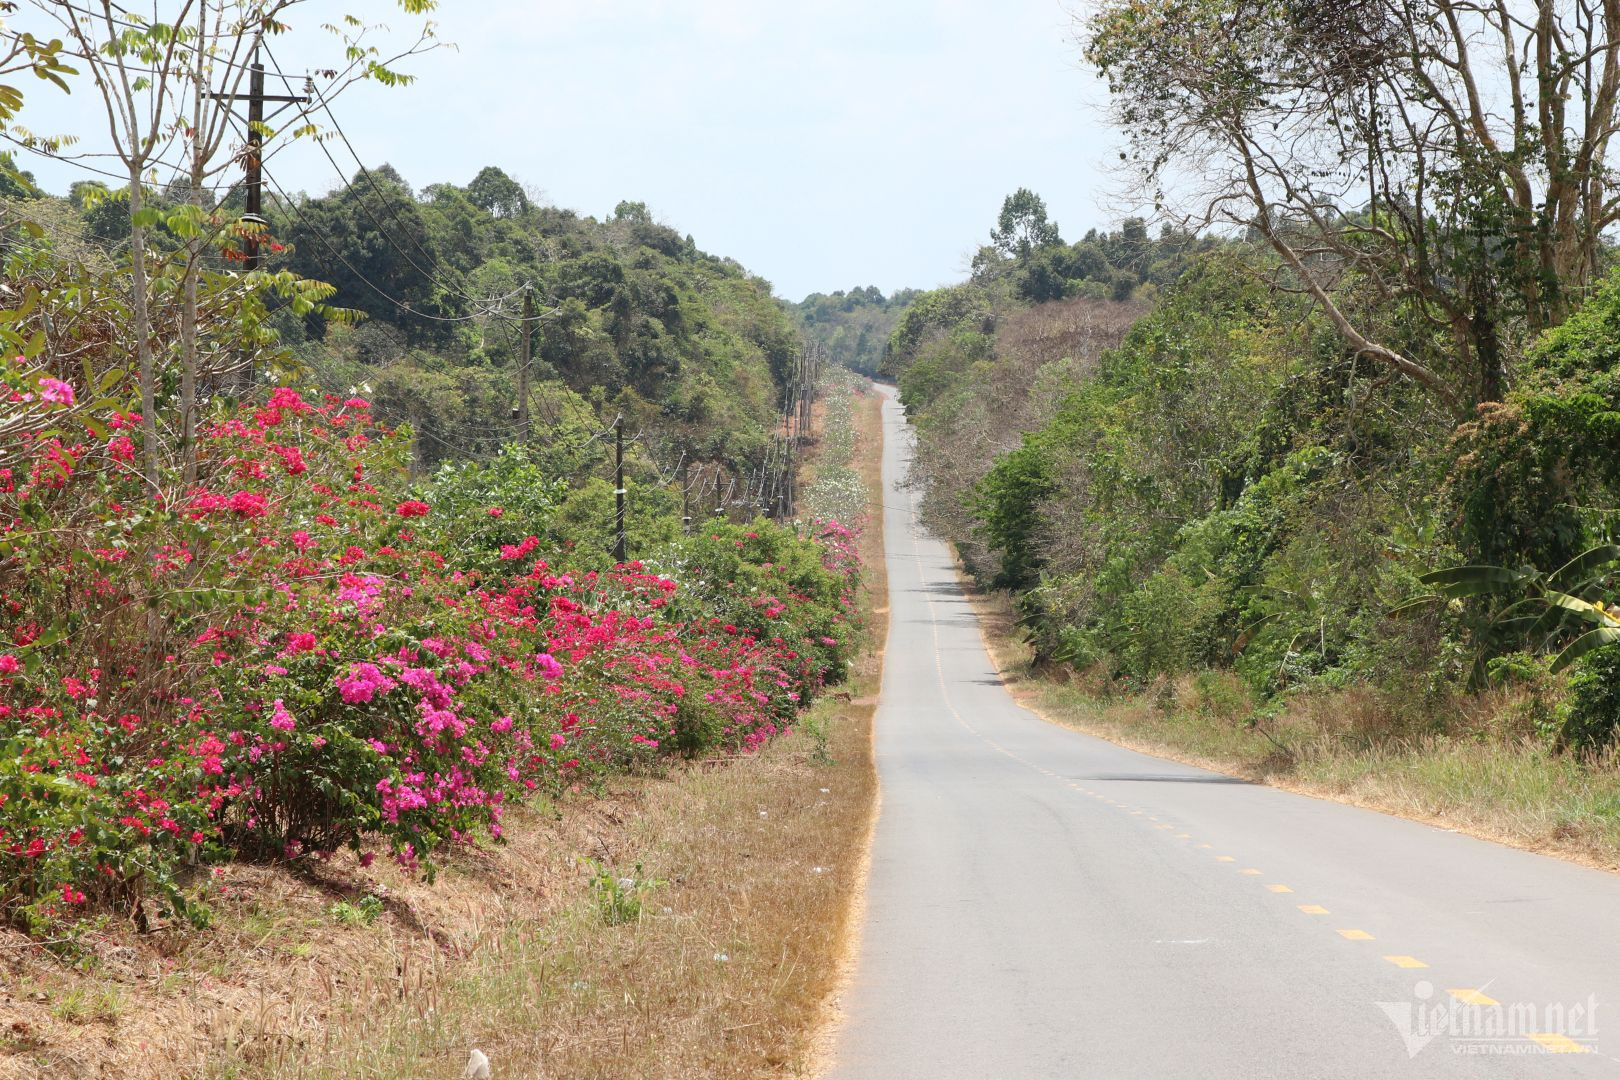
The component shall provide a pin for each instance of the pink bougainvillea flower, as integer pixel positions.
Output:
(412, 508)
(55, 391)
(363, 682)
(9, 664)
(280, 718)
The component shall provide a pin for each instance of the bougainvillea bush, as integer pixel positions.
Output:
(298, 653)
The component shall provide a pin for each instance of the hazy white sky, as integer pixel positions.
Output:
(822, 143)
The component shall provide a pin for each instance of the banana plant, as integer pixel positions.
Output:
(1568, 606)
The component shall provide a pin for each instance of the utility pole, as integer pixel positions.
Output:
(253, 186)
(523, 368)
(619, 544)
(254, 160)
(686, 498)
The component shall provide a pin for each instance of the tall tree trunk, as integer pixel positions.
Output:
(143, 332)
(188, 300)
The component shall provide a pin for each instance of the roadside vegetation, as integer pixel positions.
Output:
(1325, 492)
(342, 695)
(682, 913)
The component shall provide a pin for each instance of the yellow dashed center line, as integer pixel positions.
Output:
(1554, 1042)
(1472, 997)
(1560, 1044)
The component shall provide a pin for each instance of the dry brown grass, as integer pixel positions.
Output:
(1484, 774)
(717, 957)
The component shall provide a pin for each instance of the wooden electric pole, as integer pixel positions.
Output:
(253, 159)
(686, 498)
(524, 362)
(619, 541)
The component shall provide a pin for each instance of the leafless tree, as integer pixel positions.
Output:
(1444, 157)
(169, 81)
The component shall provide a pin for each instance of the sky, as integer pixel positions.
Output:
(824, 144)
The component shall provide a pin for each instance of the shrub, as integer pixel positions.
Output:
(1593, 716)
(299, 654)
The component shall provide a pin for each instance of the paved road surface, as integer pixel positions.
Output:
(1046, 904)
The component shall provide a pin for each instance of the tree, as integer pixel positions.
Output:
(1444, 156)
(16, 183)
(498, 194)
(1022, 226)
(371, 240)
(633, 213)
(168, 90)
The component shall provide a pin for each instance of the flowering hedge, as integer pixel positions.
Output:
(296, 653)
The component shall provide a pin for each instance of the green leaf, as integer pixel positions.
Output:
(1460, 581)
(1582, 609)
(1579, 570)
(1584, 644)
(1409, 606)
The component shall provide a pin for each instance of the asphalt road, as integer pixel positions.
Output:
(1046, 904)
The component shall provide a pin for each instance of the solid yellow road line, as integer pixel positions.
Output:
(1472, 997)
(1406, 961)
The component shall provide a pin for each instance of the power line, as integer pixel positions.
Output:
(385, 201)
(326, 106)
(325, 243)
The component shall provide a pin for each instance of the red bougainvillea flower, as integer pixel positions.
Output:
(399, 663)
(248, 504)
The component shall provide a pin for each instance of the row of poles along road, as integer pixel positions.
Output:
(770, 488)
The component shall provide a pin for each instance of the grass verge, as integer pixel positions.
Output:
(1488, 780)
(695, 923)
